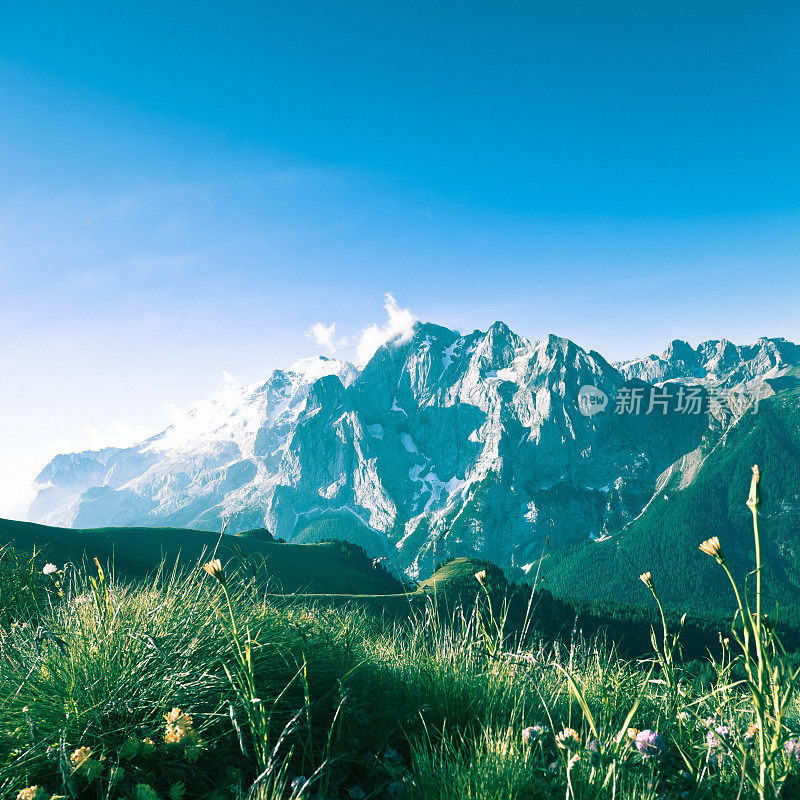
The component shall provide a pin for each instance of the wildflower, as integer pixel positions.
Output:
(750, 734)
(32, 793)
(792, 748)
(83, 762)
(80, 756)
(650, 743)
(633, 733)
(718, 736)
(144, 791)
(528, 735)
(647, 579)
(567, 738)
(49, 569)
(712, 547)
(179, 728)
(481, 577)
(214, 569)
(533, 734)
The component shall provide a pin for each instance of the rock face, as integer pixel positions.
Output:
(444, 444)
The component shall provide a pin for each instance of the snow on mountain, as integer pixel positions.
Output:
(443, 444)
(716, 362)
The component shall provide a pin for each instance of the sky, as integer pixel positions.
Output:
(189, 191)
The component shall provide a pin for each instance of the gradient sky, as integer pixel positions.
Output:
(189, 188)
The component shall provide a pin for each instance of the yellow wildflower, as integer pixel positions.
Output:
(712, 547)
(567, 738)
(83, 762)
(647, 579)
(214, 569)
(179, 727)
(80, 755)
(32, 793)
(481, 577)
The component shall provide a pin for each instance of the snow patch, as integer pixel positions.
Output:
(396, 407)
(376, 431)
(447, 356)
(408, 443)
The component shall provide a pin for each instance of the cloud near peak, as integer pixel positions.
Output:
(325, 336)
(399, 325)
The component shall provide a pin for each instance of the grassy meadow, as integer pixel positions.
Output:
(207, 683)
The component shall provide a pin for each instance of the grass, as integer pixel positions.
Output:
(203, 683)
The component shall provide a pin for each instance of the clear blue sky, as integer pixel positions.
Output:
(188, 188)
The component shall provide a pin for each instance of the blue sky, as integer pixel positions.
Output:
(189, 188)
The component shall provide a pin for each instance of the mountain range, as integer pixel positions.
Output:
(486, 445)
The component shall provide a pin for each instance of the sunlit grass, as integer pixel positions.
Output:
(200, 685)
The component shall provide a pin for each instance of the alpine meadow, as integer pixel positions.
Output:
(399, 401)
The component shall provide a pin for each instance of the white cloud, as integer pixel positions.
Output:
(114, 434)
(398, 326)
(323, 335)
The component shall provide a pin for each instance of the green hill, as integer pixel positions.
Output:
(332, 567)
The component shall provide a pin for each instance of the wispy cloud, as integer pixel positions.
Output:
(325, 336)
(399, 326)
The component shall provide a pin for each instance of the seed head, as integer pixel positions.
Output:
(754, 499)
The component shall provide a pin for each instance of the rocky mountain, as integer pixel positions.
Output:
(485, 444)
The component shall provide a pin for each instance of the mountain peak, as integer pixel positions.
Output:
(315, 367)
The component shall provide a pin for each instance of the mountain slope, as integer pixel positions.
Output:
(443, 445)
(665, 538)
